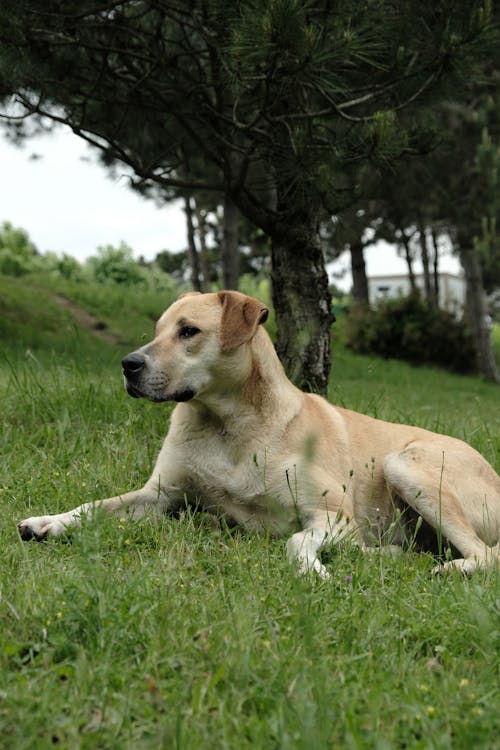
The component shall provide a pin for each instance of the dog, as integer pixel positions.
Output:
(247, 445)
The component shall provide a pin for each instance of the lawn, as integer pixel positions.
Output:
(181, 635)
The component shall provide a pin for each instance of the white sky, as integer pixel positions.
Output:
(69, 203)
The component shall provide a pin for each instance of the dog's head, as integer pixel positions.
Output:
(201, 341)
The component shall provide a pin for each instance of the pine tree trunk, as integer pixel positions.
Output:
(192, 251)
(409, 262)
(424, 248)
(202, 236)
(230, 259)
(435, 265)
(302, 302)
(359, 280)
(476, 312)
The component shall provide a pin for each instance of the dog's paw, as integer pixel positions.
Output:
(315, 569)
(320, 570)
(40, 527)
(465, 566)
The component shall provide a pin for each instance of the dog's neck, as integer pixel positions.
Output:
(254, 390)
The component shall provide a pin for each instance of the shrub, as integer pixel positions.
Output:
(18, 255)
(408, 329)
(115, 264)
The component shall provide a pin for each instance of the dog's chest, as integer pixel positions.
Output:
(220, 462)
(233, 477)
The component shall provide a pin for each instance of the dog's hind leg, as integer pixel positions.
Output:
(421, 477)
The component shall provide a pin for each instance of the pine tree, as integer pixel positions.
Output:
(286, 100)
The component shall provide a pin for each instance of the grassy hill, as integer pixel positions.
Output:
(176, 635)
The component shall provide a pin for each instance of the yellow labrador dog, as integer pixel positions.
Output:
(247, 445)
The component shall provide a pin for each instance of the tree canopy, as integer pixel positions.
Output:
(280, 105)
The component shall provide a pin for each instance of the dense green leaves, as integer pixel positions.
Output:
(18, 255)
(284, 106)
(287, 86)
(409, 329)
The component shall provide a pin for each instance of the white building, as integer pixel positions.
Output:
(451, 289)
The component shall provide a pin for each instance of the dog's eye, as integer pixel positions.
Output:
(187, 332)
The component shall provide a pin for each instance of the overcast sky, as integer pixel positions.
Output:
(69, 203)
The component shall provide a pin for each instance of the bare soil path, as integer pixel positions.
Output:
(86, 320)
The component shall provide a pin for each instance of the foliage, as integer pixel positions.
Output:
(175, 634)
(115, 264)
(68, 267)
(175, 264)
(488, 165)
(98, 284)
(281, 106)
(18, 255)
(427, 204)
(408, 329)
(302, 94)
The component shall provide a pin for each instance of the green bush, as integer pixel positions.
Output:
(18, 255)
(408, 329)
(115, 264)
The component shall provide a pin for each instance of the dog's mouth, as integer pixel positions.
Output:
(185, 395)
(132, 391)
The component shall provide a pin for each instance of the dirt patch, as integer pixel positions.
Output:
(86, 320)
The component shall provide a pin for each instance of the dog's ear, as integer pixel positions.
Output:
(241, 316)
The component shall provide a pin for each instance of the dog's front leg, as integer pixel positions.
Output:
(303, 548)
(134, 503)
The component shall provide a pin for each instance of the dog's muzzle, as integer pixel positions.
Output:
(132, 366)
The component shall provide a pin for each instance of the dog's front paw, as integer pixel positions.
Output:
(40, 527)
(316, 569)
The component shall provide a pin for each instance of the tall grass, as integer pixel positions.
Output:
(182, 635)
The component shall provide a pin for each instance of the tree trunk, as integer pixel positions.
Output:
(476, 313)
(359, 280)
(435, 265)
(230, 258)
(193, 252)
(429, 291)
(409, 261)
(200, 214)
(302, 302)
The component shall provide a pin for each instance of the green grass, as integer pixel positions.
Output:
(179, 635)
(108, 302)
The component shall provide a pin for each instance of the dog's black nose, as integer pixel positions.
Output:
(132, 364)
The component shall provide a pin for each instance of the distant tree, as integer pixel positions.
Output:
(286, 101)
(18, 254)
(55, 264)
(487, 241)
(249, 251)
(68, 267)
(175, 264)
(115, 264)
(193, 254)
(353, 230)
(406, 207)
(469, 201)
(454, 193)
(219, 217)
